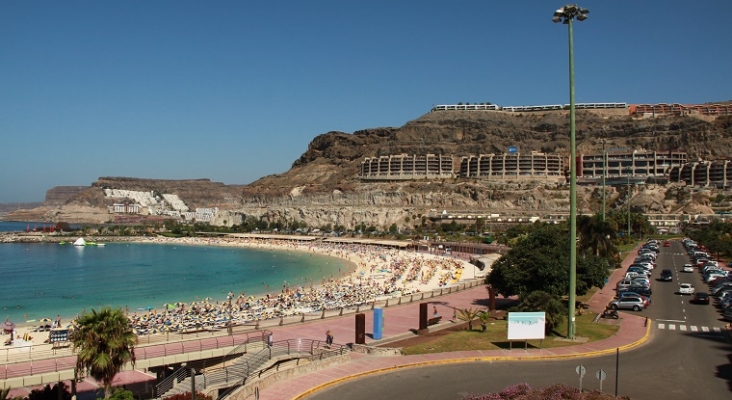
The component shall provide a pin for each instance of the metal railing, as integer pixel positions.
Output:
(246, 367)
(43, 364)
(185, 371)
(42, 359)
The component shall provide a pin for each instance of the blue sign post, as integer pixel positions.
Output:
(378, 323)
(512, 150)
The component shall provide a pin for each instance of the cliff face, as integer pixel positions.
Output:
(195, 192)
(323, 187)
(59, 195)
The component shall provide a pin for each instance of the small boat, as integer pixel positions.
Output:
(100, 244)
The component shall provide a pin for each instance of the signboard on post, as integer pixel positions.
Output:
(526, 325)
(512, 149)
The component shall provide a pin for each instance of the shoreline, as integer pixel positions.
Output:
(373, 272)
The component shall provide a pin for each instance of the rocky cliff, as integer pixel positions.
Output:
(322, 186)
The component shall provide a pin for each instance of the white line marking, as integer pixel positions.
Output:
(717, 329)
(661, 326)
(682, 327)
(705, 329)
(672, 327)
(670, 320)
(694, 328)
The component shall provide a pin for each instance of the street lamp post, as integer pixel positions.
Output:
(567, 15)
(629, 197)
(604, 172)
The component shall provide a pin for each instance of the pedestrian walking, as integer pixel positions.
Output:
(435, 314)
(328, 339)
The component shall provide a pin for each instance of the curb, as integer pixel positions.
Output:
(595, 353)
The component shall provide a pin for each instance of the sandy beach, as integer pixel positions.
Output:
(378, 273)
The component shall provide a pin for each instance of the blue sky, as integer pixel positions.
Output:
(236, 90)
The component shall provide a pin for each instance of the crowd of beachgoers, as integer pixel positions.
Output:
(380, 273)
(377, 273)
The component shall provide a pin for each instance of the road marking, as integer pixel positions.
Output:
(682, 327)
(705, 329)
(670, 320)
(672, 327)
(694, 329)
(717, 329)
(661, 326)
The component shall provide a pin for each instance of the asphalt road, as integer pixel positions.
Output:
(688, 361)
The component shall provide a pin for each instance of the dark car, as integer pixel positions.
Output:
(700, 298)
(641, 290)
(667, 275)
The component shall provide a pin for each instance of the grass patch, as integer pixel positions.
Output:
(495, 337)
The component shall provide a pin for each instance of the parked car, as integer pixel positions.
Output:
(725, 303)
(714, 275)
(688, 268)
(717, 280)
(686, 288)
(667, 275)
(720, 287)
(700, 298)
(646, 299)
(642, 290)
(667, 244)
(641, 282)
(723, 295)
(727, 314)
(628, 303)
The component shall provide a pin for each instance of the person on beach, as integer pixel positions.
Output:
(435, 314)
(328, 339)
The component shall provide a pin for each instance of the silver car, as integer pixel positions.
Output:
(627, 303)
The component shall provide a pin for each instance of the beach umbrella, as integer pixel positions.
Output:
(8, 325)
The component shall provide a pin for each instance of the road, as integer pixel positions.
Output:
(686, 358)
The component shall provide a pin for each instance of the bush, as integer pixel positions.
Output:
(559, 391)
(187, 396)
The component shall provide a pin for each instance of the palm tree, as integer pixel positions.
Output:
(596, 236)
(104, 342)
(468, 315)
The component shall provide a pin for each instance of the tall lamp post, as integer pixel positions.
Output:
(629, 197)
(604, 172)
(566, 15)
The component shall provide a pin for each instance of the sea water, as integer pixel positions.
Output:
(45, 280)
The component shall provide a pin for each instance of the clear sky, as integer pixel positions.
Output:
(236, 90)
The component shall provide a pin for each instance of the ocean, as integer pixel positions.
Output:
(45, 280)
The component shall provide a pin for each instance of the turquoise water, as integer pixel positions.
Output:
(43, 280)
